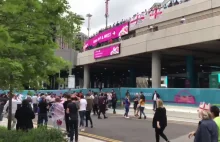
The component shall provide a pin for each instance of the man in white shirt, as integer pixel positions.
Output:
(14, 108)
(34, 102)
(82, 111)
(154, 98)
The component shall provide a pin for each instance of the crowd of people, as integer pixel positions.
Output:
(67, 106)
(208, 127)
(146, 12)
(76, 108)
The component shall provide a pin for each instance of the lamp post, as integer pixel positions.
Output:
(89, 19)
(106, 12)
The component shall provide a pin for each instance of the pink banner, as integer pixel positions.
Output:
(107, 51)
(112, 33)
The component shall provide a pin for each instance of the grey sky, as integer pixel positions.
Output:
(118, 9)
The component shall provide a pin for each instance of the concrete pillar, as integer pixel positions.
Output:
(86, 77)
(156, 70)
(191, 73)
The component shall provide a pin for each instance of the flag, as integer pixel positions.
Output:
(141, 17)
(137, 18)
(155, 13)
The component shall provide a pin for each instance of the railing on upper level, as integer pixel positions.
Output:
(136, 30)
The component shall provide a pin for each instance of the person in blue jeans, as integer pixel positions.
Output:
(82, 111)
(127, 105)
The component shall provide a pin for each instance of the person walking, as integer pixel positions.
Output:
(95, 104)
(136, 106)
(127, 105)
(160, 121)
(215, 116)
(65, 104)
(114, 102)
(207, 130)
(89, 100)
(73, 110)
(154, 98)
(24, 116)
(57, 113)
(142, 106)
(43, 108)
(15, 104)
(82, 111)
(102, 106)
(34, 102)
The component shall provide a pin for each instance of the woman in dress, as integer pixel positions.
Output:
(160, 121)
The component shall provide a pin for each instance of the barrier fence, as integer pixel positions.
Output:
(177, 96)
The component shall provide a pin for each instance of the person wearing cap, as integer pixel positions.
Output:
(215, 115)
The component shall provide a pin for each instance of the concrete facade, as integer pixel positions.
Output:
(68, 55)
(184, 34)
(174, 35)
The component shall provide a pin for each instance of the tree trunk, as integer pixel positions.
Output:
(10, 108)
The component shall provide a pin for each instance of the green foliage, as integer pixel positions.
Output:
(78, 44)
(27, 33)
(34, 135)
(60, 80)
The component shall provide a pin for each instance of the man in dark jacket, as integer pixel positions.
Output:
(95, 104)
(89, 106)
(102, 106)
(66, 114)
(114, 101)
(42, 112)
(24, 116)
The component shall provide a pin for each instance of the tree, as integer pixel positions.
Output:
(28, 30)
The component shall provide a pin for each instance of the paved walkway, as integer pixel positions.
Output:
(81, 138)
(184, 109)
(118, 129)
(181, 121)
(174, 113)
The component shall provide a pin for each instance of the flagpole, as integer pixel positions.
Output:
(106, 13)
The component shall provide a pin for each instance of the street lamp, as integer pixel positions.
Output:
(106, 12)
(89, 19)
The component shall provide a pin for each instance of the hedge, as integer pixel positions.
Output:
(34, 135)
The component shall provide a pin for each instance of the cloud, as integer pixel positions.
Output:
(118, 10)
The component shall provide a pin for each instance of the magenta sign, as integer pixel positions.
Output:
(107, 51)
(112, 33)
